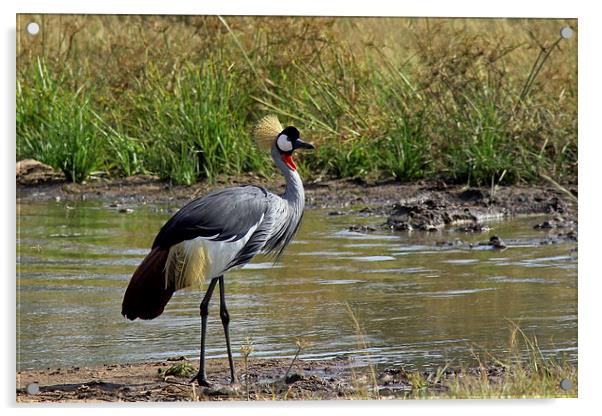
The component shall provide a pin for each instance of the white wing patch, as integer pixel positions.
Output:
(221, 253)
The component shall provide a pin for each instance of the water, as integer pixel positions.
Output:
(420, 305)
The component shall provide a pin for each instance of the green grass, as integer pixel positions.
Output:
(57, 126)
(476, 101)
(193, 123)
(184, 369)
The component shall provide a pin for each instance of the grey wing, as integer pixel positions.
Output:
(222, 215)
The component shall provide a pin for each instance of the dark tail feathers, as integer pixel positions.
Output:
(146, 295)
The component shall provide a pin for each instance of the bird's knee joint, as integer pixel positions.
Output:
(225, 316)
(204, 309)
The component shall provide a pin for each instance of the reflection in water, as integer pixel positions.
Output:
(420, 304)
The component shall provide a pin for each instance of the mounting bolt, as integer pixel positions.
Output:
(32, 388)
(32, 28)
(566, 32)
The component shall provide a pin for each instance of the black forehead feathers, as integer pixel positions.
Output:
(291, 132)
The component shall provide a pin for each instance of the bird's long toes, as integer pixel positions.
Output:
(201, 380)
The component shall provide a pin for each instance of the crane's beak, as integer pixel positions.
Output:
(300, 144)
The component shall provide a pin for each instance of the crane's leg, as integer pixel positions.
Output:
(223, 313)
(201, 377)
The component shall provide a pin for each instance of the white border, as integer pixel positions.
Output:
(462, 8)
(590, 70)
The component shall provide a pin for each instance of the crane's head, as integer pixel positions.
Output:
(287, 142)
(268, 132)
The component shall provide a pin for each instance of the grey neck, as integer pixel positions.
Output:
(293, 193)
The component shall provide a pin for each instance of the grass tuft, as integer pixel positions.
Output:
(184, 369)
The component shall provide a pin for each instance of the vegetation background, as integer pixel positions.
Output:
(476, 101)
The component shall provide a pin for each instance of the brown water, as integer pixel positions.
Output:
(420, 305)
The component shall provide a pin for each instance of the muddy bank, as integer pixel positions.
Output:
(382, 197)
(264, 380)
(420, 206)
(466, 210)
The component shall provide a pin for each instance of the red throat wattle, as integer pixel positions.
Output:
(288, 160)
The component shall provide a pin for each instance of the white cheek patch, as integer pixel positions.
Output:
(283, 143)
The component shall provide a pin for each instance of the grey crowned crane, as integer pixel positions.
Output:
(217, 232)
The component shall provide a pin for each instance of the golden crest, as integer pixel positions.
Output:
(266, 130)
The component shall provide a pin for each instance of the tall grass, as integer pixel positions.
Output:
(193, 123)
(56, 126)
(468, 101)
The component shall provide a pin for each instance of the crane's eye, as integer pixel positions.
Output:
(284, 144)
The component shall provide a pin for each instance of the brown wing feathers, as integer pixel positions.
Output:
(147, 294)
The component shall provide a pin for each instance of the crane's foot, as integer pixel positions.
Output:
(201, 380)
(235, 385)
(211, 389)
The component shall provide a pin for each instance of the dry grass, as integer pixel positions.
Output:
(523, 372)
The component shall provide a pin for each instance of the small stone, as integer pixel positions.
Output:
(386, 378)
(546, 225)
(293, 378)
(497, 242)
(473, 228)
(180, 358)
(362, 228)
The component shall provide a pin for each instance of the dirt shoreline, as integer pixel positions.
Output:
(267, 380)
